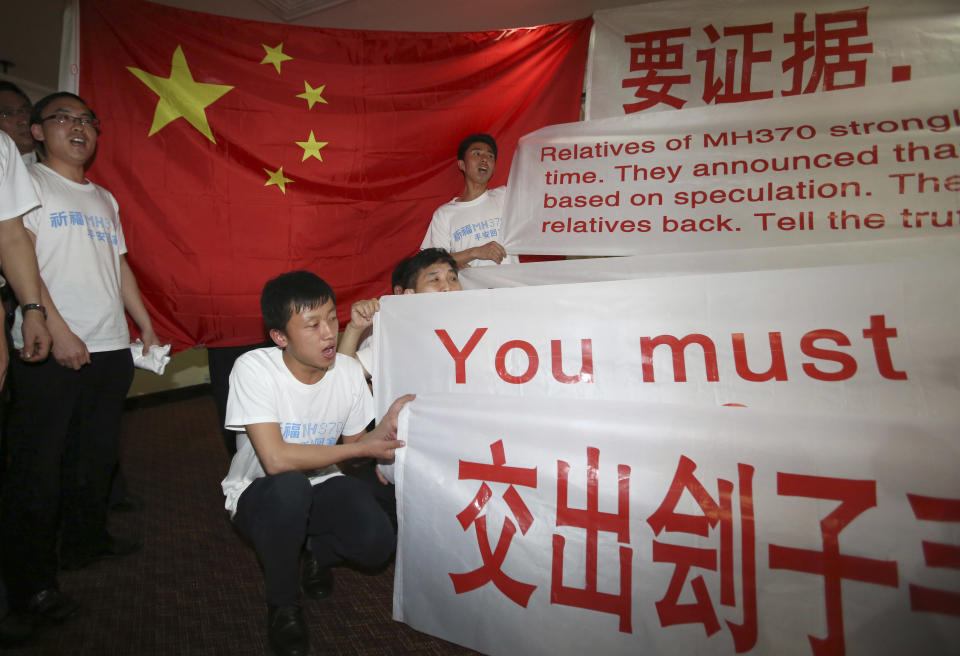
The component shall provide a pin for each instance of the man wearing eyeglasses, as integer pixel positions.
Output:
(65, 423)
(15, 110)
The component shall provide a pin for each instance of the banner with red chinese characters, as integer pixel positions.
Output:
(550, 526)
(239, 150)
(596, 269)
(690, 53)
(874, 339)
(850, 166)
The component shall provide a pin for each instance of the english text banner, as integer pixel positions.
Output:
(850, 166)
(875, 339)
(672, 55)
(550, 526)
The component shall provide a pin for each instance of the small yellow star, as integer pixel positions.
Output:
(312, 95)
(277, 178)
(311, 147)
(181, 96)
(275, 56)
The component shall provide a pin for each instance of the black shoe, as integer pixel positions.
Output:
(111, 548)
(316, 581)
(51, 604)
(16, 629)
(287, 631)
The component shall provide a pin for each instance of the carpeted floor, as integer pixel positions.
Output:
(196, 588)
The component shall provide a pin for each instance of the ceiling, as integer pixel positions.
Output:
(30, 29)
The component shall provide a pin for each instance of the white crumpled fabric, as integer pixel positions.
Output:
(155, 360)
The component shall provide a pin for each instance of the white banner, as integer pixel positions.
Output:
(596, 269)
(849, 166)
(690, 53)
(874, 339)
(548, 526)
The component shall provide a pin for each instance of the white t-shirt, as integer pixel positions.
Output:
(79, 244)
(17, 196)
(458, 226)
(262, 390)
(365, 355)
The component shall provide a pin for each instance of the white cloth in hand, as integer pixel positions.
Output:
(155, 360)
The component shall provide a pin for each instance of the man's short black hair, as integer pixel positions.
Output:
(408, 271)
(476, 138)
(291, 293)
(7, 85)
(36, 116)
(399, 277)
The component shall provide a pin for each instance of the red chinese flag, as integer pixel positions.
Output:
(238, 150)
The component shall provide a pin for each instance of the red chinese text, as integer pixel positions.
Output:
(594, 521)
(831, 52)
(666, 518)
(651, 53)
(855, 497)
(491, 571)
(826, 55)
(936, 554)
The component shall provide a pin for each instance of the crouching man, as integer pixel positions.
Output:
(289, 404)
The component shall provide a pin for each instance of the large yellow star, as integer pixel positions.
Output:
(277, 178)
(181, 96)
(312, 95)
(311, 147)
(275, 56)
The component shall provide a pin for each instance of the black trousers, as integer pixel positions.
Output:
(339, 519)
(365, 469)
(63, 437)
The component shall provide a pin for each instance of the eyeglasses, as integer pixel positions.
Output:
(15, 112)
(63, 117)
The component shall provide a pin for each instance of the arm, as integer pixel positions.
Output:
(67, 349)
(383, 438)
(490, 251)
(361, 318)
(278, 456)
(133, 304)
(19, 257)
(388, 426)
